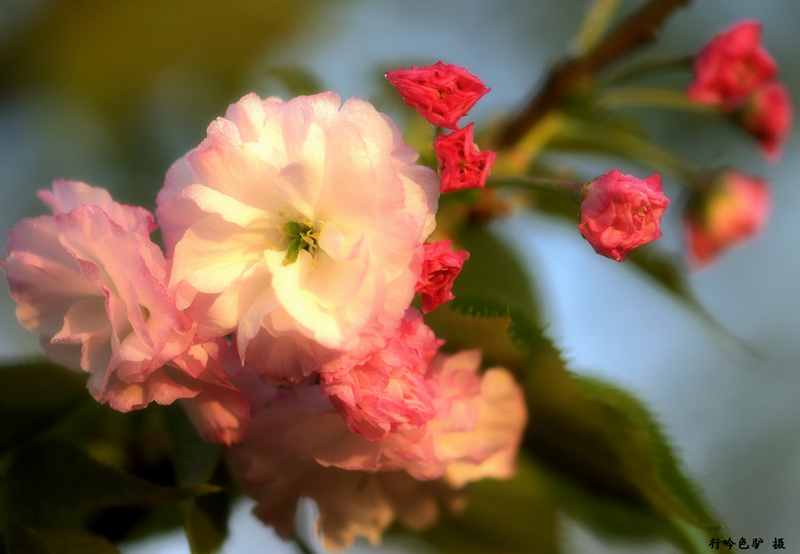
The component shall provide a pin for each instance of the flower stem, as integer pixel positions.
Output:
(572, 189)
(653, 98)
(651, 65)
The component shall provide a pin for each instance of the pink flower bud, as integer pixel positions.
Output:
(620, 212)
(443, 94)
(768, 117)
(735, 208)
(731, 67)
(461, 164)
(439, 270)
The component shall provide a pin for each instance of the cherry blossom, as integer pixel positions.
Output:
(90, 282)
(301, 218)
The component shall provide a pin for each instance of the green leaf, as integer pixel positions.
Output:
(493, 285)
(193, 458)
(667, 466)
(21, 539)
(653, 98)
(73, 541)
(33, 396)
(206, 522)
(494, 273)
(51, 482)
(490, 332)
(609, 463)
(205, 518)
(618, 136)
(514, 515)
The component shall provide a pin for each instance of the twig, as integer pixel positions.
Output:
(633, 32)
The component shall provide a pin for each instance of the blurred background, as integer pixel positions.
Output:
(111, 93)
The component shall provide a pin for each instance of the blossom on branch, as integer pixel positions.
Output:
(304, 219)
(439, 271)
(735, 208)
(731, 67)
(443, 94)
(461, 164)
(620, 212)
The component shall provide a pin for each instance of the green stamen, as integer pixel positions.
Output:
(301, 236)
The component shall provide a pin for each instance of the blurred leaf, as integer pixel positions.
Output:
(71, 541)
(515, 515)
(206, 522)
(494, 272)
(666, 464)
(465, 330)
(21, 539)
(610, 464)
(494, 303)
(297, 81)
(595, 24)
(205, 518)
(618, 136)
(653, 98)
(194, 459)
(668, 271)
(52, 481)
(33, 396)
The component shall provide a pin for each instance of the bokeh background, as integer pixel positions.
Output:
(112, 92)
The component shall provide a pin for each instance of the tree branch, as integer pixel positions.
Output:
(635, 31)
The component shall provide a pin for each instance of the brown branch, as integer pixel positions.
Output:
(635, 31)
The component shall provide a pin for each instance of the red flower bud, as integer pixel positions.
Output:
(443, 94)
(735, 208)
(731, 67)
(461, 164)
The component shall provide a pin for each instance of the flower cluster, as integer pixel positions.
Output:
(444, 94)
(736, 74)
(296, 235)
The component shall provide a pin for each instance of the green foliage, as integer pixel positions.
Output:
(205, 518)
(71, 541)
(53, 482)
(609, 463)
(34, 396)
(590, 450)
(55, 494)
(206, 522)
(21, 539)
(516, 515)
(194, 459)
